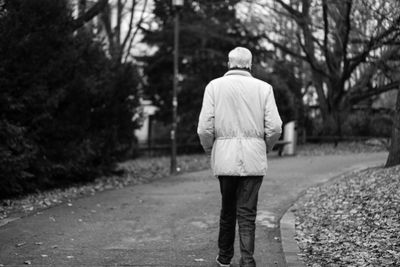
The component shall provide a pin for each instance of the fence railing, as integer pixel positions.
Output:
(165, 149)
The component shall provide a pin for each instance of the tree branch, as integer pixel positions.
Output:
(105, 18)
(326, 33)
(373, 43)
(285, 49)
(90, 14)
(357, 97)
(358, 41)
(128, 34)
(119, 19)
(346, 36)
(289, 9)
(138, 27)
(308, 49)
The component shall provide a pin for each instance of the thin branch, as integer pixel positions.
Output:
(132, 10)
(90, 14)
(373, 43)
(368, 72)
(139, 24)
(310, 58)
(318, 42)
(285, 49)
(357, 41)
(138, 27)
(289, 9)
(283, 13)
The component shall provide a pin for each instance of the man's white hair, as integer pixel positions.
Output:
(240, 57)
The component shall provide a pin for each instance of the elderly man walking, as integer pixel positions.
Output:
(238, 124)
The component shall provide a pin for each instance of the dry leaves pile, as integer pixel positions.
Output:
(136, 171)
(320, 149)
(352, 221)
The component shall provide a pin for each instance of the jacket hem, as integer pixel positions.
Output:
(238, 174)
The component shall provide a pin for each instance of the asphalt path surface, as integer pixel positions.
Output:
(170, 222)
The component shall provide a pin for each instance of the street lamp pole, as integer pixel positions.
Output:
(177, 4)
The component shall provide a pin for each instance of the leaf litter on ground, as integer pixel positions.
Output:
(351, 221)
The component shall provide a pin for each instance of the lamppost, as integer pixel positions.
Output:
(177, 4)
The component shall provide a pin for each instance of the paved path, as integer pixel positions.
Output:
(171, 222)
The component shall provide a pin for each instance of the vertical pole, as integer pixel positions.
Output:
(174, 94)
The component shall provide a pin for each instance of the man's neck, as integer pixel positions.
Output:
(244, 69)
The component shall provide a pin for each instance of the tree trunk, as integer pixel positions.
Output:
(394, 152)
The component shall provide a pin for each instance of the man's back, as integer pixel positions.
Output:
(238, 117)
(239, 105)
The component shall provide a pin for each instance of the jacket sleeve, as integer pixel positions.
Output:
(205, 128)
(272, 121)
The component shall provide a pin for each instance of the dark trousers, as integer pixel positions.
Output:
(239, 201)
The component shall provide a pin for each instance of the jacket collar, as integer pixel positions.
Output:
(238, 72)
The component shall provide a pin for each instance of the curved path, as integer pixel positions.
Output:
(170, 222)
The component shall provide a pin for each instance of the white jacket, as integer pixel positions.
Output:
(239, 122)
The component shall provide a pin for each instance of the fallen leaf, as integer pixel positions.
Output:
(47, 202)
(20, 244)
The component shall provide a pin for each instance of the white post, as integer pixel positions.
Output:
(290, 135)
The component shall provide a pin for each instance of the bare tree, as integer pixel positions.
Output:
(350, 46)
(121, 21)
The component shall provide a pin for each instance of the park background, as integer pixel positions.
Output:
(75, 76)
(86, 93)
